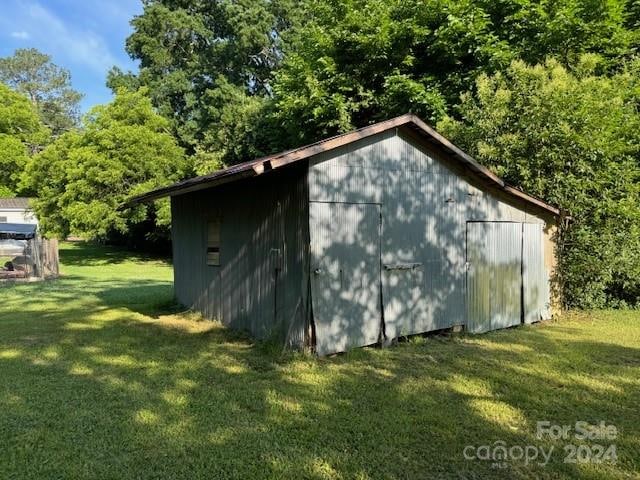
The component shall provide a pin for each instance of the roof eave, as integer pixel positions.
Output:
(267, 164)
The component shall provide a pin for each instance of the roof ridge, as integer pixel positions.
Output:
(270, 162)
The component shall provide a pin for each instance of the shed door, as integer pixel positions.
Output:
(494, 275)
(345, 274)
(535, 284)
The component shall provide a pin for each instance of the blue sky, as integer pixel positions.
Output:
(84, 36)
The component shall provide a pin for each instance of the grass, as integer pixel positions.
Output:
(101, 378)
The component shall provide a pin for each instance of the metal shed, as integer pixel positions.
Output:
(383, 232)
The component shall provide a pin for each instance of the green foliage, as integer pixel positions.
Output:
(208, 65)
(20, 133)
(243, 79)
(239, 130)
(46, 85)
(83, 177)
(572, 138)
(355, 62)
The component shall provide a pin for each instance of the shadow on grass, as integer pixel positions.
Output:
(79, 253)
(178, 398)
(152, 298)
(101, 378)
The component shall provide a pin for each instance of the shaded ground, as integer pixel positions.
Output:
(98, 379)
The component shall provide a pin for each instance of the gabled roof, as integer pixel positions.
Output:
(272, 162)
(17, 203)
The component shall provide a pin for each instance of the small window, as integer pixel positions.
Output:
(213, 242)
(3, 219)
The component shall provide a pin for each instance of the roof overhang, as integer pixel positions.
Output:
(273, 162)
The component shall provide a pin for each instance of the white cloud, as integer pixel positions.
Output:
(21, 35)
(82, 46)
(72, 41)
(85, 37)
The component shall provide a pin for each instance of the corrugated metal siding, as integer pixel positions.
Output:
(425, 205)
(494, 282)
(479, 275)
(345, 274)
(534, 276)
(506, 283)
(261, 284)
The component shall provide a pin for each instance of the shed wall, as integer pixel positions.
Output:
(261, 284)
(426, 202)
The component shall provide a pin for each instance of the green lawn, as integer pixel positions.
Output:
(99, 380)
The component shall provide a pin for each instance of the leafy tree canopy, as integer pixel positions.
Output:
(46, 85)
(84, 176)
(245, 78)
(359, 61)
(20, 132)
(196, 57)
(573, 138)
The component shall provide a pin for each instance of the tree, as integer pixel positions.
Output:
(84, 176)
(194, 55)
(47, 86)
(246, 78)
(20, 132)
(355, 62)
(573, 138)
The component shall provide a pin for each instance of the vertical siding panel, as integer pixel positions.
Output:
(536, 282)
(494, 278)
(241, 291)
(345, 254)
(479, 277)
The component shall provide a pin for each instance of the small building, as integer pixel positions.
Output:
(17, 210)
(387, 231)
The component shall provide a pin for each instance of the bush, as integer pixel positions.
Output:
(571, 137)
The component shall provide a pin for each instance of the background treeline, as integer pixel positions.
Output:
(545, 93)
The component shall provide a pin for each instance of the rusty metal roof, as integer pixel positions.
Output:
(272, 162)
(17, 203)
